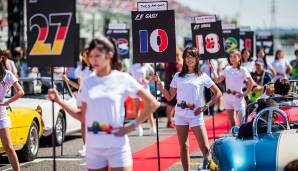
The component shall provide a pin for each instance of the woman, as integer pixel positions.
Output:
(281, 65)
(235, 77)
(246, 60)
(82, 72)
(7, 80)
(189, 85)
(261, 54)
(102, 109)
(140, 72)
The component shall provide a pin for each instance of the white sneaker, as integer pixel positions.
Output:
(153, 131)
(140, 131)
(82, 152)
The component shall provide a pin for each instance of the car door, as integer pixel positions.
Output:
(265, 152)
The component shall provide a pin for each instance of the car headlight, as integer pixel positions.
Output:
(38, 110)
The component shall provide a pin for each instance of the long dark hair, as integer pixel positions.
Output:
(84, 64)
(250, 56)
(107, 45)
(192, 51)
(276, 54)
(3, 68)
(264, 58)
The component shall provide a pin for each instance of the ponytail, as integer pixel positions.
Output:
(115, 62)
(3, 68)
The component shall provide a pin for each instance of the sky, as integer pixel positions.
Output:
(253, 13)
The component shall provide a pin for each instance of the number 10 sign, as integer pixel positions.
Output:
(207, 37)
(51, 32)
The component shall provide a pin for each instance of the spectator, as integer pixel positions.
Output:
(281, 65)
(292, 166)
(141, 72)
(261, 78)
(247, 61)
(21, 63)
(294, 64)
(261, 54)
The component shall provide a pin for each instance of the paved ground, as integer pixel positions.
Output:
(71, 161)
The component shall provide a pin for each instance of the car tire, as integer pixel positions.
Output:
(59, 133)
(30, 149)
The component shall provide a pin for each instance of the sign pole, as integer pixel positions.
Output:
(156, 120)
(53, 123)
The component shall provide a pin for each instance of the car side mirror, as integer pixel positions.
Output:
(235, 131)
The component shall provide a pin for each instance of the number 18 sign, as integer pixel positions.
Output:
(208, 38)
(51, 33)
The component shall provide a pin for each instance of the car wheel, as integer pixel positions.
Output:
(59, 133)
(30, 149)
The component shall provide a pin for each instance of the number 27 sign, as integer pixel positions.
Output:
(51, 33)
(207, 37)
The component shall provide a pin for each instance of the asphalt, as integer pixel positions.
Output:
(71, 161)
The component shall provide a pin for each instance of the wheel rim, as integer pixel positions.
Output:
(59, 129)
(34, 142)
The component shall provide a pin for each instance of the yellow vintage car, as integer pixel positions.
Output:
(27, 128)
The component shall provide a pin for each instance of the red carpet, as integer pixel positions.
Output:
(146, 159)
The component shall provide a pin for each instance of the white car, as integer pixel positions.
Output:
(36, 97)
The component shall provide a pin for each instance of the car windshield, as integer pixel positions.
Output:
(38, 88)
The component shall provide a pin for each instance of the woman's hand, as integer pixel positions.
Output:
(156, 79)
(65, 78)
(200, 110)
(124, 130)
(211, 66)
(3, 103)
(53, 95)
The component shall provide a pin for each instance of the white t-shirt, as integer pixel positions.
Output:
(140, 72)
(82, 75)
(105, 97)
(190, 88)
(235, 77)
(280, 66)
(5, 85)
(249, 65)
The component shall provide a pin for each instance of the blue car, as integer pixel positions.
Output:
(270, 150)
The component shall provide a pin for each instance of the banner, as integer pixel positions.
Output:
(265, 41)
(122, 38)
(208, 38)
(247, 41)
(231, 40)
(51, 33)
(153, 34)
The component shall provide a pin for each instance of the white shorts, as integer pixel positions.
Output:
(97, 158)
(5, 122)
(233, 102)
(191, 121)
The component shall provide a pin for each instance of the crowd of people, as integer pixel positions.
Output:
(191, 88)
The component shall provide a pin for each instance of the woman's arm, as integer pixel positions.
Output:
(169, 95)
(19, 94)
(72, 83)
(250, 83)
(150, 105)
(217, 79)
(74, 111)
(289, 68)
(216, 94)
